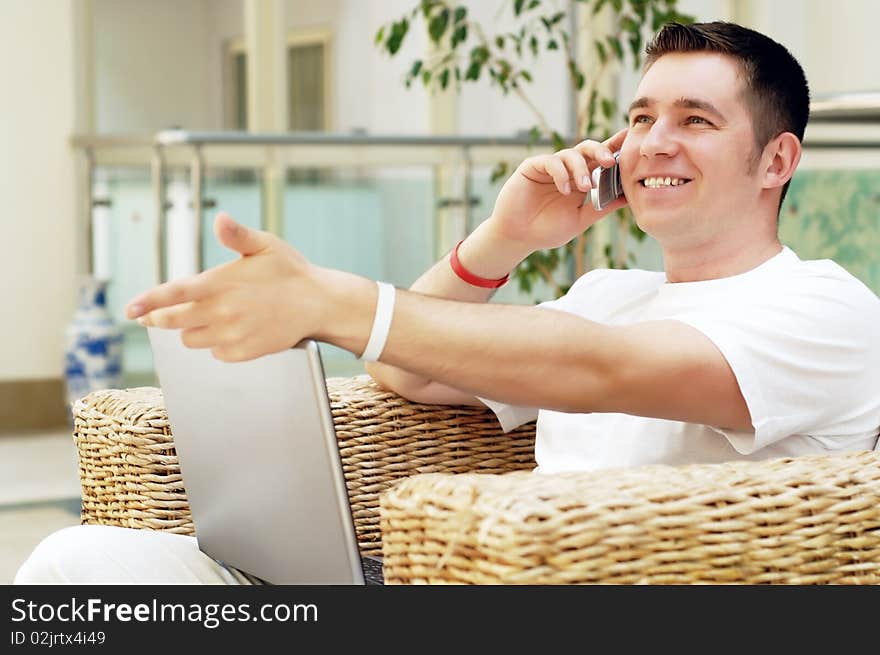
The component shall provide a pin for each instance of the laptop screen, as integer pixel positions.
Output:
(260, 461)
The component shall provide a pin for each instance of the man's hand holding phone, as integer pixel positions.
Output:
(546, 202)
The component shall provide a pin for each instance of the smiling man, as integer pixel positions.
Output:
(737, 350)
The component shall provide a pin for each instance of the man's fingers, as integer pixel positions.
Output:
(238, 237)
(184, 316)
(615, 142)
(556, 169)
(211, 336)
(199, 337)
(227, 343)
(602, 153)
(596, 153)
(190, 289)
(577, 168)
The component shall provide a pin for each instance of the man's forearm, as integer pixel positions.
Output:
(516, 354)
(483, 254)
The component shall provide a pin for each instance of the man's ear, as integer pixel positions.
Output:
(781, 157)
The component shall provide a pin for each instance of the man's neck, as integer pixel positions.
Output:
(718, 260)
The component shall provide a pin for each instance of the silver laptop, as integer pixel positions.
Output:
(261, 463)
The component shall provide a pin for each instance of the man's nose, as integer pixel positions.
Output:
(659, 141)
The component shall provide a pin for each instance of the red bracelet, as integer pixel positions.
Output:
(469, 277)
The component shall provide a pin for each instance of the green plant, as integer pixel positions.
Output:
(464, 50)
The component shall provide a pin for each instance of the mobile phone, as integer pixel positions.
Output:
(606, 185)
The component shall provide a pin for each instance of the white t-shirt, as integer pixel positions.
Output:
(802, 338)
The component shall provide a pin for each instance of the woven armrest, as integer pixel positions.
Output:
(811, 519)
(131, 477)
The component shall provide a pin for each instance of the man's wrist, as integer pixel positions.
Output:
(347, 306)
(487, 254)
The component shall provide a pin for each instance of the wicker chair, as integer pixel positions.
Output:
(812, 519)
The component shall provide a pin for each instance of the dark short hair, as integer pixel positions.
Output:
(776, 91)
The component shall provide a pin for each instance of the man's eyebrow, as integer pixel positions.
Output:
(682, 103)
(640, 103)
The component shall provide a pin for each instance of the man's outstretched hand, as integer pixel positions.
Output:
(267, 300)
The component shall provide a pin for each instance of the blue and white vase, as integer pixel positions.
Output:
(93, 344)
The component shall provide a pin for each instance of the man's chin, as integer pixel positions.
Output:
(661, 219)
(653, 222)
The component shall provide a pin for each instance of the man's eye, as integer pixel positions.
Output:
(641, 118)
(698, 120)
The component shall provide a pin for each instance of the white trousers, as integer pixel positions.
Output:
(102, 554)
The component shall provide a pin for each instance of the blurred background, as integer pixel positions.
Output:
(127, 124)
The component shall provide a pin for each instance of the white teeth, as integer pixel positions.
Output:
(655, 182)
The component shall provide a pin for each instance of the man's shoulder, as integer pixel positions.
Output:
(810, 296)
(825, 278)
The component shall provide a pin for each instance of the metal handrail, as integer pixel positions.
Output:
(180, 137)
(846, 107)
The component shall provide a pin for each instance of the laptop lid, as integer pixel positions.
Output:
(260, 461)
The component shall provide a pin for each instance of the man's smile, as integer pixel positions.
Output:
(661, 182)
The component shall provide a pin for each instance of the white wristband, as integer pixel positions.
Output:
(381, 323)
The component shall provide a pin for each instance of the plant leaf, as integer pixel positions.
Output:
(480, 54)
(534, 135)
(608, 108)
(398, 32)
(615, 45)
(558, 141)
(658, 18)
(576, 76)
(427, 6)
(437, 26)
(600, 50)
(640, 7)
(459, 35)
(629, 24)
(498, 172)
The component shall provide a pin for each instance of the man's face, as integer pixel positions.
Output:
(689, 125)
